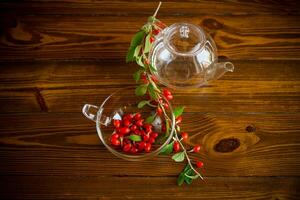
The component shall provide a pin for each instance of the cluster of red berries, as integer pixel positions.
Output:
(133, 125)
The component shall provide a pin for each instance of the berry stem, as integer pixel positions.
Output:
(156, 11)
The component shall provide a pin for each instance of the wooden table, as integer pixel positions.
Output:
(57, 56)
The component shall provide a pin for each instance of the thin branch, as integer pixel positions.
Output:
(154, 15)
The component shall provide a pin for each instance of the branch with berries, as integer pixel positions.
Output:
(138, 52)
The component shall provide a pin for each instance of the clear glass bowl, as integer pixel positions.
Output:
(117, 104)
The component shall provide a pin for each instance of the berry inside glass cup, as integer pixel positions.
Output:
(127, 131)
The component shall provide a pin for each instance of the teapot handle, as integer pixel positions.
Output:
(86, 110)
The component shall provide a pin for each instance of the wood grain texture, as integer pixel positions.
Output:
(96, 37)
(147, 188)
(253, 87)
(37, 144)
(58, 55)
(133, 8)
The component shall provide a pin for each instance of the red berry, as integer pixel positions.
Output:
(166, 106)
(117, 123)
(147, 147)
(137, 132)
(145, 138)
(148, 127)
(142, 145)
(154, 135)
(139, 122)
(156, 31)
(133, 150)
(196, 148)
(128, 116)
(176, 146)
(166, 92)
(124, 130)
(137, 116)
(163, 128)
(169, 97)
(199, 164)
(184, 135)
(151, 140)
(152, 39)
(115, 136)
(126, 122)
(115, 142)
(133, 127)
(154, 79)
(127, 147)
(178, 120)
(159, 111)
(147, 62)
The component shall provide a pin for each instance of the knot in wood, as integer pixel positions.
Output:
(227, 145)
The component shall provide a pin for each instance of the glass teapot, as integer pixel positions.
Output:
(184, 56)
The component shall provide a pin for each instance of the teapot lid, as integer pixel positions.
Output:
(184, 39)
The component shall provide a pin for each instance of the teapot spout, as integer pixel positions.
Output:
(219, 69)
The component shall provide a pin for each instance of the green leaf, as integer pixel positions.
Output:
(167, 149)
(147, 44)
(141, 90)
(178, 111)
(178, 157)
(150, 119)
(192, 177)
(137, 51)
(142, 103)
(152, 92)
(136, 40)
(153, 69)
(137, 75)
(139, 61)
(188, 174)
(135, 138)
(180, 179)
(130, 53)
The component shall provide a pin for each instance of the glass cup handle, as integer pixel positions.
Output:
(86, 111)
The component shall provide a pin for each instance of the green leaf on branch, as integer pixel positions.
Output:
(142, 103)
(178, 157)
(167, 149)
(137, 75)
(141, 90)
(181, 177)
(190, 175)
(136, 40)
(135, 138)
(150, 119)
(137, 51)
(152, 92)
(147, 44)
(153, 69)
(178, 111)
(139, 61)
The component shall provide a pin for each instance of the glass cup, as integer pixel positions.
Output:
(122, 102)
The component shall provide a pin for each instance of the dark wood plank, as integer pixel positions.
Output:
(39, 144)
(255, 86)
(94, 73)
(97, 37)
(19, 101)
(78, 187)
(133, 8)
